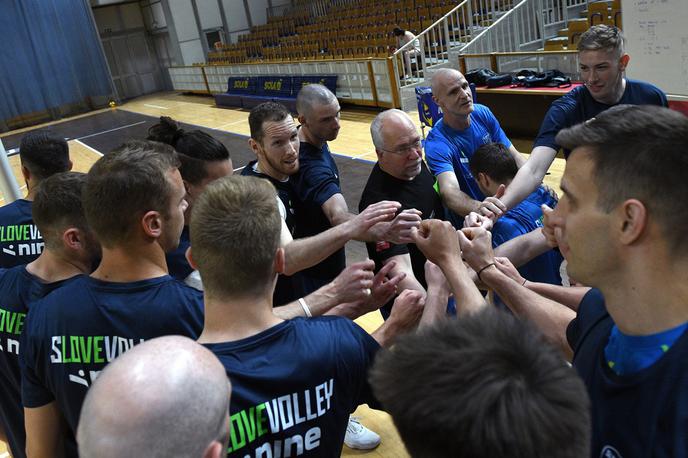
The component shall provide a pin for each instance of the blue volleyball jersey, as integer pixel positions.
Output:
(644, 414)
(294, 386)
(18, 289)
(70, 335)
(20, 240)
(522, 219)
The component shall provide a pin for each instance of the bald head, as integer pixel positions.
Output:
(167, 397)
(312, 95)
(386, 124)
(443, 77)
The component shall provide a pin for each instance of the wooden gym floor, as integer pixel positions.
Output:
(98, 132)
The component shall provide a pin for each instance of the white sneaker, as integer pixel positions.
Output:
(359, 437)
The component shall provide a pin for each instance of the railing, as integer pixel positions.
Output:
(309, 8)
(525, 27)
(483, 26)
(452, 31)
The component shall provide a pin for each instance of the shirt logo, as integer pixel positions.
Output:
(382, 246)
(610, 452)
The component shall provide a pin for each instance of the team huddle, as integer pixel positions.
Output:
(161, 306)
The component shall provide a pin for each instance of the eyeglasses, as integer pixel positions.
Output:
(406, 149)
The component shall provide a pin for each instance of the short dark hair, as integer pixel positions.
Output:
(494, 160)
(265, 112)
(124, 184)
(639, 152)
(602, 37)
(44, 153)
(398, 31)
(484, 385)
(311, 95)
(235, 233)
(57, 206)
(195, 147)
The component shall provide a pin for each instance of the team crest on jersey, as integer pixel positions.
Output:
(610, 452)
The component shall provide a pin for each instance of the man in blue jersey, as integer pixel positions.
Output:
(294, 382)
(166, 397)
(602, 61)
(492, 167)
(464, 127)
(70, 250)
(320, 204)
(134, 202)
(41, 154)
(621, 235)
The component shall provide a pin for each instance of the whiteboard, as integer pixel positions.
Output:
(656, 34)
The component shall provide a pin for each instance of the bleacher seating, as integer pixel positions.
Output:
(362, 30)
(249, 91)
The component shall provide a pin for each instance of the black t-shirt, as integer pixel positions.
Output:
(644, 414)
(288, 287)
(316, 181)
(418, 193)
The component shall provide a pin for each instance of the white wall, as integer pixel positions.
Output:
(209, 14)
(235, 12)
(186, 21)
(258, 11)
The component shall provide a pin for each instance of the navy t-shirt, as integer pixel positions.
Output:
(637, 415)
(316, 181)
(18, 289)
(294, 386)
(177, 264)
(578, 106)
(71, 334)
(522, 219)
(20, 240)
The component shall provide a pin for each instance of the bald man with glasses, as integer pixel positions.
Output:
(400, 174)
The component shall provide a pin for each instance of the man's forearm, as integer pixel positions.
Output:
(467, 296)
(549, 316)
(318, 303)
(435, 306)
(524, 248)
(529, 176)
(570, 296)
(459, 202)
(303, 253)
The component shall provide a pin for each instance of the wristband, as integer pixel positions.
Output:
(305, 308)
(481, 270)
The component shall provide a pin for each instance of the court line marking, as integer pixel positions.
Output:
(235, 170)
(155, 106)
(232, 123)
(111, 130)
(87, 147)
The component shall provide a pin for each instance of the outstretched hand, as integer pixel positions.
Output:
(354, 282)
(373, 214)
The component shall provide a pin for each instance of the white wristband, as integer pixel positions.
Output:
(305, 308)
